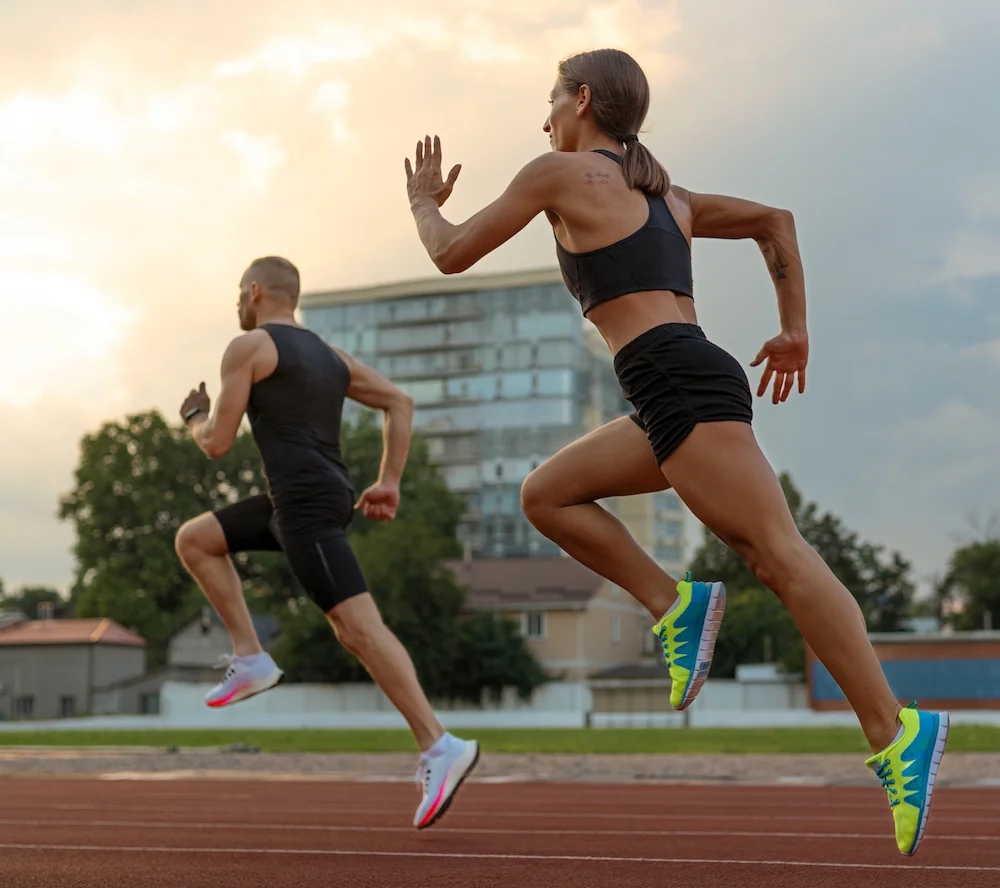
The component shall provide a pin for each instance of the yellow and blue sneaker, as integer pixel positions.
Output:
(907, 768)
(688, 632)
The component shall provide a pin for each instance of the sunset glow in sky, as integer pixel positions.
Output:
(151, 150)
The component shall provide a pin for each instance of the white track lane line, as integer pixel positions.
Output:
(561, 858)
(322, 827)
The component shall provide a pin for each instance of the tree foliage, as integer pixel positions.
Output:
(970, 588)
(27, 599)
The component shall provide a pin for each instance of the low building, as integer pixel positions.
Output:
(195, 655)
(54, 668)
(957, 670)
(574, 621)
(204, 640)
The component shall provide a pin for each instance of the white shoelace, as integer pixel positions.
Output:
(224, 661)
(423, 775)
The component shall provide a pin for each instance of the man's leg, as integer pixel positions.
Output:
(359, 628)
(332, 577)
(204, 545)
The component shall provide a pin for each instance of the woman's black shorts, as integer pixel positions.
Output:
(323, 562)
(675, 378)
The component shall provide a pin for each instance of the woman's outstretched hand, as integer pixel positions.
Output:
(424, 178)
(786, 355)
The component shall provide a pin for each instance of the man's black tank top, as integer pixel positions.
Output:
(656, 257)
(295, 416)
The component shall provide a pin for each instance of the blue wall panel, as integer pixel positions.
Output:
(925, 680)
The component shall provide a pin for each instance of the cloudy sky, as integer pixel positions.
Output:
(150, 150)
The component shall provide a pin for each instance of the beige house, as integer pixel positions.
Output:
(574, 621)
(53, 668)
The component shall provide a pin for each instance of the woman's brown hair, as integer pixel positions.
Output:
(619, 102)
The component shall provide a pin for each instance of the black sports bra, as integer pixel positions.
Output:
(656, 257)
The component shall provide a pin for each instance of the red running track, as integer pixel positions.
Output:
(224, 834)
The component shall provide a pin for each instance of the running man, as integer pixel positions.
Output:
(292, 387)
(623, 236)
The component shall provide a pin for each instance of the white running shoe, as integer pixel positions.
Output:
(246, 677)
(440, 775)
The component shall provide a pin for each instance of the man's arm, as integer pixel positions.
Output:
(718, 216)
(455, 248)
(216, 433)
(371, 388)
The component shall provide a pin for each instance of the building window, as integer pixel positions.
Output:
(668, 501)
(616, 629)
(668, 553)
(670, 531)
(25, 706)
(533, 624)
(149, 703)
(67, 706)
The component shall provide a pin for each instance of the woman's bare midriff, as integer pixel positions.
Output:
(623, 319)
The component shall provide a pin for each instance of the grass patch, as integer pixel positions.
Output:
(782, 741)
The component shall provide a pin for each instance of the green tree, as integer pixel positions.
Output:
(136, 482)
(756, 629)
(27, 599)
(881, 583)
(972, 583)
(489, 656)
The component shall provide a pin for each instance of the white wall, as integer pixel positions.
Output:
(722, 703)
(364, 706)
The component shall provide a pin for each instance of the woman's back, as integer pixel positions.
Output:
(596, 208)
(625, 255)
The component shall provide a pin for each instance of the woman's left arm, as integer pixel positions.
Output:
(454, 248)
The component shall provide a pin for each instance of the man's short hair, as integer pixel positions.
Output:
(276, 275)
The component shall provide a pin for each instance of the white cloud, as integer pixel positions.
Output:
(989, 350)
(169, 113)
(332, 96)
(971, 253)
(65, 330)
(24, 239)
(294, 55)
(80, 119)
(260, 156)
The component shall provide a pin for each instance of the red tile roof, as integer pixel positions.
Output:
(69, 632)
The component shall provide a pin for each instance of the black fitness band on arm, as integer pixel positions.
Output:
(191, 414)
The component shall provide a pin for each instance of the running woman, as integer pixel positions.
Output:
(292, 386)
(622, 236)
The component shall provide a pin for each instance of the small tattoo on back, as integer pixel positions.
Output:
(596, 178)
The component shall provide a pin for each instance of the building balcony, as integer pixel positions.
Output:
(444, 317)
(382, 352)
(438, 374)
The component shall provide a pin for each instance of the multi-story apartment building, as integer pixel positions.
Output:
(503, 372)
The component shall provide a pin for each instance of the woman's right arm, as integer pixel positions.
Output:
(720, 216)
